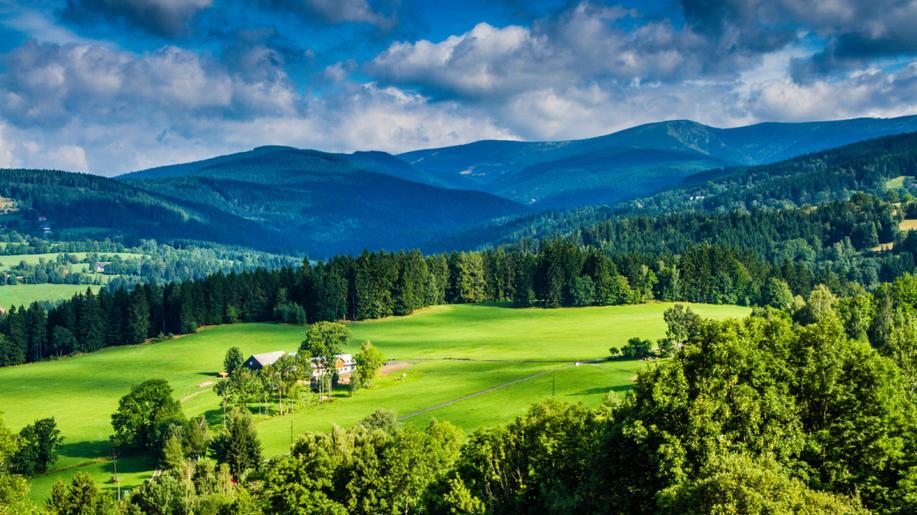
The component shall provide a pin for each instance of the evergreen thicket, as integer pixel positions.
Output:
(765, 257)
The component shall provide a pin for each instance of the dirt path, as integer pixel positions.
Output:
(394, 366)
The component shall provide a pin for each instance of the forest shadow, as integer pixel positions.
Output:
(605, 389)
(85, 449)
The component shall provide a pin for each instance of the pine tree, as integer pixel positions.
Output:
(91, 335)
(138, 316)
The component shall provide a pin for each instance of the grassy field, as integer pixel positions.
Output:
(908, 224)
(472, 365)
(25, 294)
(895, 182)
(31, 259)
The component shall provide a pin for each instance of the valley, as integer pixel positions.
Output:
(453, 351)
(404, 257)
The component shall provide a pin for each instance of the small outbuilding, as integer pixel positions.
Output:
(259, 361)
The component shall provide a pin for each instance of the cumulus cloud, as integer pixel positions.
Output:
(48, 85)
(585, 70)
(854, 31)
(868, 93)
(89, 108)
(168, 18)
(584, 44)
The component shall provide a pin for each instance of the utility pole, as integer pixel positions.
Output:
(114, 464)
(553, 384)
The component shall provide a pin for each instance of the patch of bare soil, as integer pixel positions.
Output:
(393, 366)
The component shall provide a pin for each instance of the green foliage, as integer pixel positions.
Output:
(830, 411)
(777, 294)
(637, 348)
(80, 497)
(740, 484)
(537, 464)
(290, 313)
(381, 419)
(240, 388)
(361, 470)
(819, 306)
(237, 445)
(145, 414)
(194, 487)
(324, 341)
(369, 360)
(196, 437)
(284, 377)
(681, 323)
(233, 360)
(37, 448)
(173, 455)
(14, 489)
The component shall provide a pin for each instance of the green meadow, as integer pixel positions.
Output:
(474, 365)
(31, 259)
(25, 294)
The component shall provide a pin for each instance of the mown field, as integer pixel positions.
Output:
(25, 294)
(31, 259)
(473, 365)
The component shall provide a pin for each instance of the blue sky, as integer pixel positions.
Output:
(108, 86)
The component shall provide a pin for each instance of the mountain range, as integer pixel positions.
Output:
(320, 203)
(633, 162)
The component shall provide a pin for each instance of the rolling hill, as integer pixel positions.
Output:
(325, 203)
(833, 174)
(285, 199)
(88, 205)
(631, 163)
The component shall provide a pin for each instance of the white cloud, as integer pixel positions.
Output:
(48, 84)
(867, 93)
(585, 71)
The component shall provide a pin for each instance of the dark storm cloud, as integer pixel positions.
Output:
(166, 18)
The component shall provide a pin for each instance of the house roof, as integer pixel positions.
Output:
(346, 358)
(268, 358)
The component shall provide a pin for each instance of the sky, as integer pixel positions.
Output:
(108, 86)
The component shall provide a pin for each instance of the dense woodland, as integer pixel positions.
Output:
(808, 409)
(803, 181)
(739, 258)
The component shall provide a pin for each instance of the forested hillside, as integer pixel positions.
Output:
(807, 180)
(82, 205)
(322, 203)
(286, 201)
(633, 162)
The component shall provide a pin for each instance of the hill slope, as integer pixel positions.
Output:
(810, 179)
(326, 203)
(633, 162)
(66, 202)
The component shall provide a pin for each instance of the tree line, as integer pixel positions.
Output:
(627, 261)
(782, 412)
